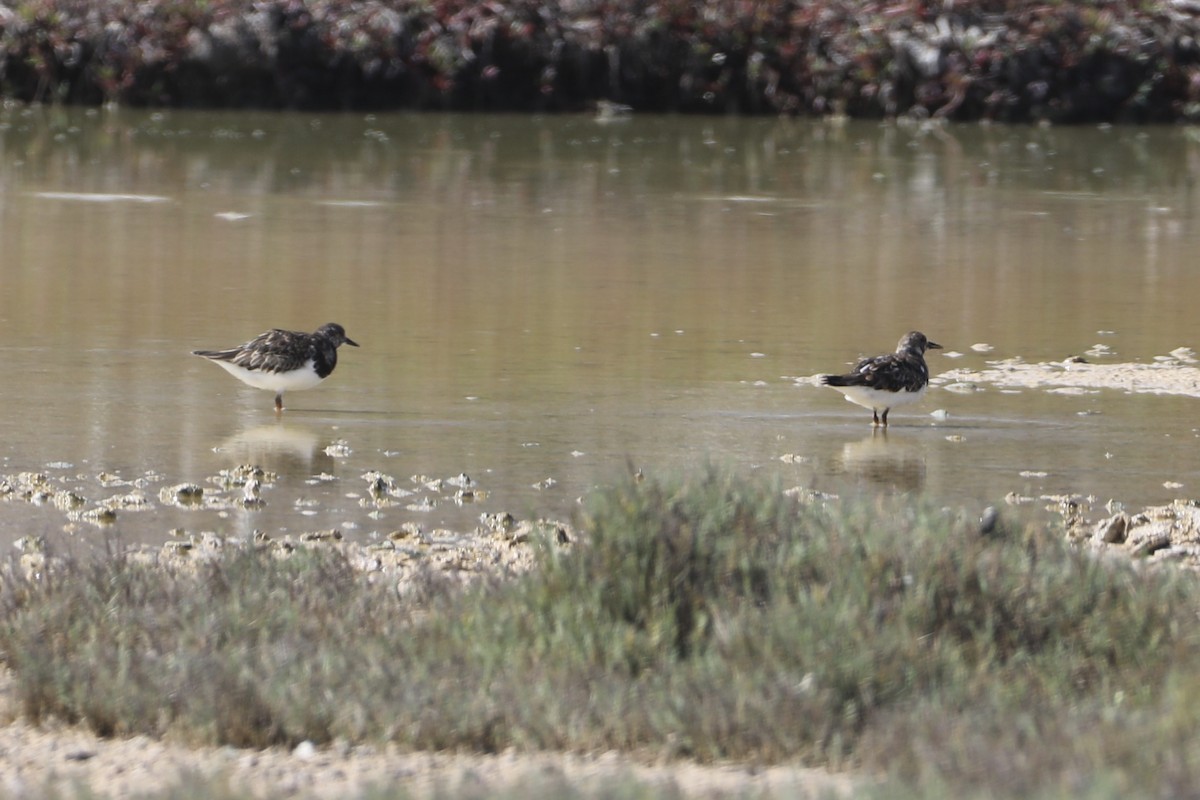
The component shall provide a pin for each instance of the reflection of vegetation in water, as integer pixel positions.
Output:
(707, 617)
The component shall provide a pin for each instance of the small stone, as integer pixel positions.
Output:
(187, 494)
(96, 516)
(988, 521)
(331, 535)
(68, 501)
(339, 449)
(499, 522)
(305, 750)
(462, 480)
(1113, 530)
(379, 484)
(808, 496)
(1151, 544)
(31, 544)
(406, 530)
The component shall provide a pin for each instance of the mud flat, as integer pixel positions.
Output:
(1166, 375)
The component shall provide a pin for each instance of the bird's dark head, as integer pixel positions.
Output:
(336, 334)
(916, 342)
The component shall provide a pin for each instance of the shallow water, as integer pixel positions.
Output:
(546, 302)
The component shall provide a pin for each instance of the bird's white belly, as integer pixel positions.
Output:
(304, 378)
(877, 399)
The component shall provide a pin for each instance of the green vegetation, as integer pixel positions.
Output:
(1006, 60)
(708, 617)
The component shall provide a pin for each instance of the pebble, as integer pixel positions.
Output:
(305, 750)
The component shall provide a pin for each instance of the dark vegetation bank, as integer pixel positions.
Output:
(1007, 60)
(707, 618)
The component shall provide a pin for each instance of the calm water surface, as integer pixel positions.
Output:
(544, 302)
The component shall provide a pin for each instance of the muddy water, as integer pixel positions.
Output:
(543, 303)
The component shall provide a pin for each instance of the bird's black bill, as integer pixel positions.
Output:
(933, 345)
(351, 342)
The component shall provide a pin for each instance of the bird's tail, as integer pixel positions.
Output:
(216, 355)
(833, 380)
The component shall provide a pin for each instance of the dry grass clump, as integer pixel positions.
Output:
(708, 617)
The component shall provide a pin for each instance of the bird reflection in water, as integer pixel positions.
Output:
(283, 448)
(890, 463)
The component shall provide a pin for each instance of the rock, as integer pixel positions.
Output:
(31, 543)
(500, 522)
(406, 531)
(96, 516)
(331, 535)
(237, 476)
(339, 449)
(808, 496)
(68, 501)
(988, 521)
(1151, 543)
(1185, 354)
(305, 750)
(185, 494)
(1113, 530)
(462, 481)
(379, 485)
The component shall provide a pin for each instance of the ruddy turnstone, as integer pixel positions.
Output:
(882, 383)
(281, 360)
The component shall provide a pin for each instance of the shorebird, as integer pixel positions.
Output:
(283, 360)
(882, 383)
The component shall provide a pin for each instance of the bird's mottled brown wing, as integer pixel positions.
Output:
(274, 351)
(890, 373)
(895, 373)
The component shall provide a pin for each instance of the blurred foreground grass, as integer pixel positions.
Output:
(707, 617)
